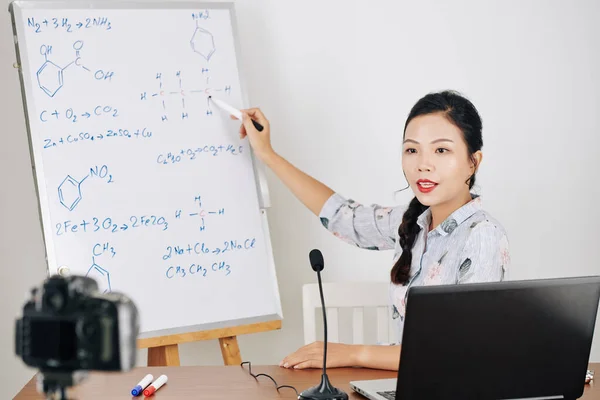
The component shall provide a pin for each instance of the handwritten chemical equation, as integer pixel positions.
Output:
(73, 116)
(144, 133)
(198, 270)
(200, 248)
(109, 225)
(193, 154)
(40, 25)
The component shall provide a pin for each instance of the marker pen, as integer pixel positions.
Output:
(155, 385)
(235, 112)
(137, 390)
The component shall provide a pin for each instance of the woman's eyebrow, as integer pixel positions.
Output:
(435, 141)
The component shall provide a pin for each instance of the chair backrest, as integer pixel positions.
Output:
(354, 295)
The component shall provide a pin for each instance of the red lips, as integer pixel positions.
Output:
(426, 186)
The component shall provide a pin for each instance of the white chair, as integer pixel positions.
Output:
(355, 295)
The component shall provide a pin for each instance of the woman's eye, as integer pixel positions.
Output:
(410, 151)
(442, 150)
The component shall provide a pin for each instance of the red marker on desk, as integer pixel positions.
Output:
(155, 385)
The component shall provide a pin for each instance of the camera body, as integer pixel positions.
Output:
(68, 326)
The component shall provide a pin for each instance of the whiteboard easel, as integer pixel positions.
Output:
(63, 81)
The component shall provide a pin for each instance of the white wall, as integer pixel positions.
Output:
(337, 79)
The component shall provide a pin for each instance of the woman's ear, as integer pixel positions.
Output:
(477, 158)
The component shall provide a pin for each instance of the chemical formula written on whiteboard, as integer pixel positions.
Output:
(77, 115)
(51, 77)
(69, 190)
(201, 248)
(39, 25)
(191, 154)
(198, 270)
(176, 93)
(111, 225)
(88, 137)
(157, 104)
(198, 214)
(99, 273)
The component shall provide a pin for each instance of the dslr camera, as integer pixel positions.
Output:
(68, 328)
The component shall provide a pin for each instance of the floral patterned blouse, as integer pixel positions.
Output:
(469, 246)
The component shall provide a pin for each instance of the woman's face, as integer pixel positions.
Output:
(435, 159)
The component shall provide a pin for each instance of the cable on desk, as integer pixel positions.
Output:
(255, 376)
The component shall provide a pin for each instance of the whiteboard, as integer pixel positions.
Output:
(142, 184)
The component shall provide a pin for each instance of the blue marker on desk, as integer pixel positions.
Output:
(136, 391)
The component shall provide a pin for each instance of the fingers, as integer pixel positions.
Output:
(303, 362)
(296, 357)
(242, 127)
(247, 116)
(309, 356)
(257, 115)
(309, 364)
(249, 125)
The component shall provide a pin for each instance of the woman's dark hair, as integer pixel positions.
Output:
(462, 113)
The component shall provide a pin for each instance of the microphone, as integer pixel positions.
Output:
(325, 390)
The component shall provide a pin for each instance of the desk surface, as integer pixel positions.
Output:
(226, 383)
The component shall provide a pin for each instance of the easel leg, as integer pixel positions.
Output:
(163, 356)
(230, 350)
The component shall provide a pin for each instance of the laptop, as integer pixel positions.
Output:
(504, 340)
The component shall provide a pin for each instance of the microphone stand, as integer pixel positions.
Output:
(325, 390)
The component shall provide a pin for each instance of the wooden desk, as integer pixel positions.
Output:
(212, 383)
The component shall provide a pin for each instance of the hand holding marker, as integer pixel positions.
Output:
(233, 111)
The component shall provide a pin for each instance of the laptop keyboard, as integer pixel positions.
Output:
(391, 395)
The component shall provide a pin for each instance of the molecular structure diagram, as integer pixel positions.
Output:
(163, 95)
(99, 274)
(50, 77)
(202, 41)
(69, 191)
(201, 213)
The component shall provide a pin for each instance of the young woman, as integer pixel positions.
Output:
(442, 237)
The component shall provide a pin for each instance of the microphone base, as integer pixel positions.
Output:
(323, 391)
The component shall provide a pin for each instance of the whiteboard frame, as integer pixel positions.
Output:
(15, 8)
